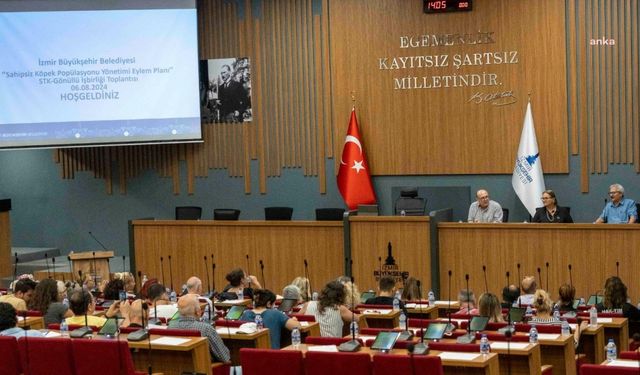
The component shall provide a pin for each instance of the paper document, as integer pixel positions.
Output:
(547, 336)
(503, 345)
(459, 356)
(623, 363)
(605, 320)
(166, 340)
(322, 348)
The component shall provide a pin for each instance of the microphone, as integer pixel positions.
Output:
(262, 272)
(353, 345)
(617, 269)
(540, 277)
(162, 269)
(171, 274)
(15, 267)
(140, 279)
(410, 349)
(95, 272)
(519, 278)
(70, 268)
(80, 276)
(484, 271)
(124, 265)
(99, 243)
(142, 333)
(206, 270)
(248, 268)
(450, 326)
(306, 275)
(46, 260)
(508, 279)
(86, 330)
(468, 338)
(379, 267)
(213, 276)
(547, 283)
(53, 265)
(570, 278)
(421, 348)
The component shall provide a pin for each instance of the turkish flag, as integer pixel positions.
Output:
(354, 179)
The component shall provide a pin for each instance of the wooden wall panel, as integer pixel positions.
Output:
(5, 245)
(416, 131)
(283, 247)
(410, 240)
(592, 250)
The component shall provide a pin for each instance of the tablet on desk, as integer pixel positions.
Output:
(110, 327)
(367, 295)
(478, 323)
(385, 340)
(235, 312)
(595, 299)
(517, 314)
(435, 331)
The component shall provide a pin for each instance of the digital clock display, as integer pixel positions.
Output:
(442, 6)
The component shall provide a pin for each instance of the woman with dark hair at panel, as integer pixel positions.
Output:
(489, 305)
(47, 299)
(616, 300)
(239, 282)
(550, 212)
(411, 292)
(273, 319)
(567, 295)
(330, 310)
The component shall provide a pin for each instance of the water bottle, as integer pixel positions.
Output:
(259, 322)
(396, 303)
(144, 279)
(566, 329)
(533, 334)
(593, 316)
(64, 328)
(529, 311)
(355, 330)
(240, 294)
(403, 213)
(484, 345)
(581, 301)
(65, 302)
(403, 320)
(556, 313)
(295, 338)
(432, 298)
(314, 296)
(173, 296)
(612, 351)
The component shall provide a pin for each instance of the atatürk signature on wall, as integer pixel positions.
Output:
(495, 98)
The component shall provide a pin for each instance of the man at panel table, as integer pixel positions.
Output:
(484, 210)
(619, 210)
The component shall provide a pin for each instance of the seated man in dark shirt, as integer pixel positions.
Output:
(386, 290)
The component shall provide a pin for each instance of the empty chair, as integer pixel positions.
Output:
(384, 364)
(188, 213)
(327, 214)
(589, 369)
(10, 358)
(226, 214)
(257, 361)
(46, 356)
(322, 363)
(102, 357)
(278, 213)
(410, 203)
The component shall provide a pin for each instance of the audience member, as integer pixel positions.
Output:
(303, 284)
(132, 313)
(22, 292)
(489, 305)
(529, 287)
(386, 291)
(275, 320)
(159, 303)
(239, 282)
(484, 210)
(194, 287)
(619, 210)
(567, 294)
(9, 323)
(190, 312)
(509, 295)
(551, 212)
(351, 292)
(112, 289)
(467, 301)
(543, 305)
(330, 311)
(82, 304)
(411, 292)
(616, 300)
(128, 280)
(47, 299)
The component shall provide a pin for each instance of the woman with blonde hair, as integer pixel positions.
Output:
(489, 305)
(303, 284)
(543, 305)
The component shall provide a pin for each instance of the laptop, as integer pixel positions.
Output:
(110, 327)
(595, 299)
(478, 323)
(435, 331)
(235, 312)
(517, 314)
(385, 340)
(287, 304)
(367, 295)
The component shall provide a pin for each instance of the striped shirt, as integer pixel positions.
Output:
(330, 320)
(218, 350)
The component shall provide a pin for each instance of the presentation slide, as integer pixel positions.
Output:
(98, 72)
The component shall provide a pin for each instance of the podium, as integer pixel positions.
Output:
(5, 239)
(97, 267)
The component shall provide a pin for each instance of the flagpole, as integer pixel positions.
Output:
(353, 100)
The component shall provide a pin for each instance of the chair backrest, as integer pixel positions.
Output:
(505, 215)
(229, 323)
(322, 363)
(188, 213)
(326, 214)
(634, 356)
(494, 336)
(10, 357)
(34, 313)
(410, 206)
(278, 213)
(413, 322)
(256, 361)
(542, 328)
(46, 356)
(384, 364)
(318, 340)
(226, 214)
(303, 318)
(102, 357)
(588, 369)
(454, 347)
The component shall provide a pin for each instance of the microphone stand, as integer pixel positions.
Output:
(468, 338)
(70, 268)
(540, 277)
(450, 326)
(206, 270)
(162, 270)
(15, 267)
(547, 283)
(617, 269)
(420, 348)
(484, 271)
(53, 265)
(262, 272)
(46, 260)
(353, 345)
(171, 274)
(570, 278)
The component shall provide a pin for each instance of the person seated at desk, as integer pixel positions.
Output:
(615, 300)
(351, 292)
(9, 323)
(112, 290)
(467, 301)
(484, 210)
(509, 295)
(411, 291)
(275, 320)
(330, 311)
(129, 282)
(543, 305)
(194, 287)
(132, 313)
(551, 212)
(159, 303)
(239, 283)
(293, 292)
(190, 312)
(22, 292)
(386, 291)
(48, 300)
(303, 284)
(567, 294)
(489, 306)
(619, 210)
(529, 287)
(83, 305)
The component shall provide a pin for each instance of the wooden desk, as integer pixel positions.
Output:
(235, 341)
(616, 329)
(482, 364)
(171, 359)
(32, 322)
(306, 329)
(424, 311)
(230, 303)
(592, 344)
(558, 351)
(381, 318)
(282, 245)
(524, 358)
